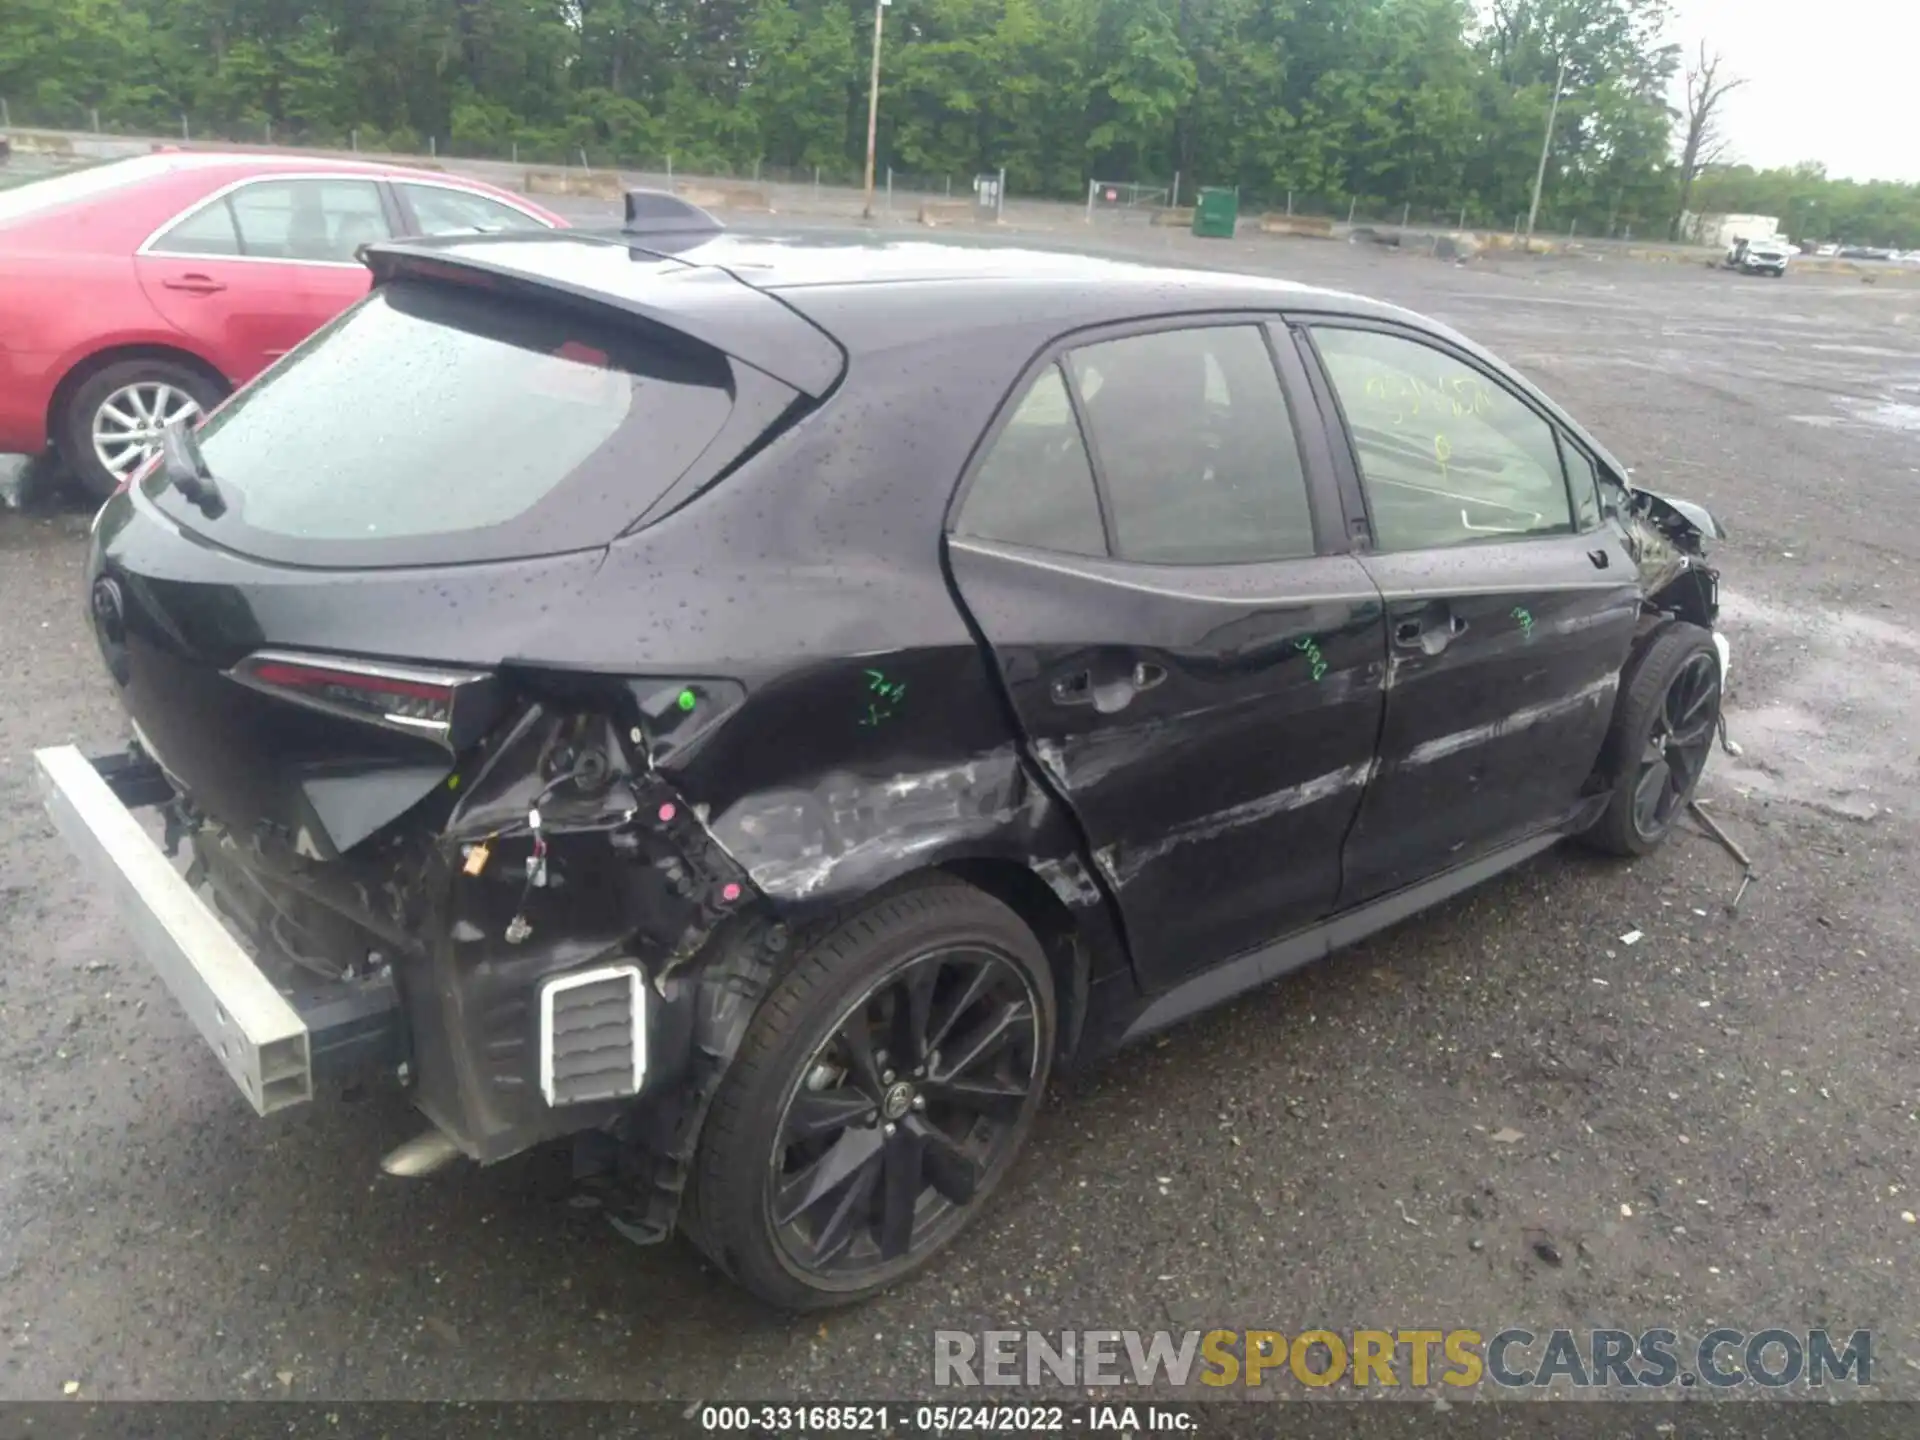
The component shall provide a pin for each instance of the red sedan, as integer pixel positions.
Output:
(141, 292)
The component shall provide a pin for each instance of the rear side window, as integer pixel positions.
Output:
(1199, 454)
(440, 422)
(1035, 486)
(208, 231)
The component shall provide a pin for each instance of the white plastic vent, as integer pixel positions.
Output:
(593, 1035)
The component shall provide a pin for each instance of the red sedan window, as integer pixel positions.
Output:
(283, 219)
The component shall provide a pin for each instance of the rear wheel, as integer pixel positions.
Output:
(1662, 733)
(878, 1099)
(114, 419)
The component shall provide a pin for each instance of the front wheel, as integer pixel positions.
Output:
(114, 419)
(878, 1098)
(1663, 731)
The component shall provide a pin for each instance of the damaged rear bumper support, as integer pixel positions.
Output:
(268, 1037)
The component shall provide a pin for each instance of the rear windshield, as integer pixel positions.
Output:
(438, 422)
(38, 195)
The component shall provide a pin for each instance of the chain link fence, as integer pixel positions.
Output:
(898, 193)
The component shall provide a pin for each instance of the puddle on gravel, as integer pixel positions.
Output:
(1893, 414)
(1877, 351)
(13, 480)
(1837, 731)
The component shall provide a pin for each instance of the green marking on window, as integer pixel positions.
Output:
(686, 700)
(1525, 617)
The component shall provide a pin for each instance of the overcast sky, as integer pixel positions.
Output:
(1836, 81)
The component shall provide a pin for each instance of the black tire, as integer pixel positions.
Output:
(74, 427)
(1663, 731)
(742, 1176)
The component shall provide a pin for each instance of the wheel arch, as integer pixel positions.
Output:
(1057, 899)
(91, 364)
(1611, 761)
(1053, 923)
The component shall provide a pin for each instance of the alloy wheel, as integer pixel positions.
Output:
(1677, 745)
(915, 1097)
(129, 423)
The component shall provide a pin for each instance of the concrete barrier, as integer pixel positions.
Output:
(40, 142)
(1667, 254)
(1314, 226)
(584, 184)
(749, 198)
(946, 212)
(1869, 272)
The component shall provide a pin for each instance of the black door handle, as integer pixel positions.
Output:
(1599, 558)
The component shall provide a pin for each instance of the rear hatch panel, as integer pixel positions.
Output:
(432, 479)
(174, 617)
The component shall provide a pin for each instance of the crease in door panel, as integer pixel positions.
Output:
(1442, 746)
(1121, 864)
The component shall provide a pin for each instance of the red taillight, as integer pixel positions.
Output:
(440, 705)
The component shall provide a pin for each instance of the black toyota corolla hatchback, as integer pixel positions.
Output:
(760, 706)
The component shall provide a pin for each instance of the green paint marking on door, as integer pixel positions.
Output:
(884, 697)
(1316, 662)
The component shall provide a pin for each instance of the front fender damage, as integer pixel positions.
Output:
(1666, 538)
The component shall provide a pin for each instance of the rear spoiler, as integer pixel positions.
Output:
(618, 272)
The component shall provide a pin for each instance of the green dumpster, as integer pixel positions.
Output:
(1215, 213)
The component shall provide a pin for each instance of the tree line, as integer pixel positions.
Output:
(1437, 106)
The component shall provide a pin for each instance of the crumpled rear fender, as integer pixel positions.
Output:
(844, 834)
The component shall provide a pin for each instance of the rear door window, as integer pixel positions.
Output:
(308, 220)
(1198, 450)
(1035, 486)
(443, 423)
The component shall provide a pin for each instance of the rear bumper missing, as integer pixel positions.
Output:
(269, 1036)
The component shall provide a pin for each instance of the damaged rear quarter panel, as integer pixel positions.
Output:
(839, 778)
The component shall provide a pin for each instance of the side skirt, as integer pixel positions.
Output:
(1257, 967)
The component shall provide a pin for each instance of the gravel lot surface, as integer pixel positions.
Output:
(1717, 1124)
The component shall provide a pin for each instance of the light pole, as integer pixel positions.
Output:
(1546, 144)
(873, 103)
